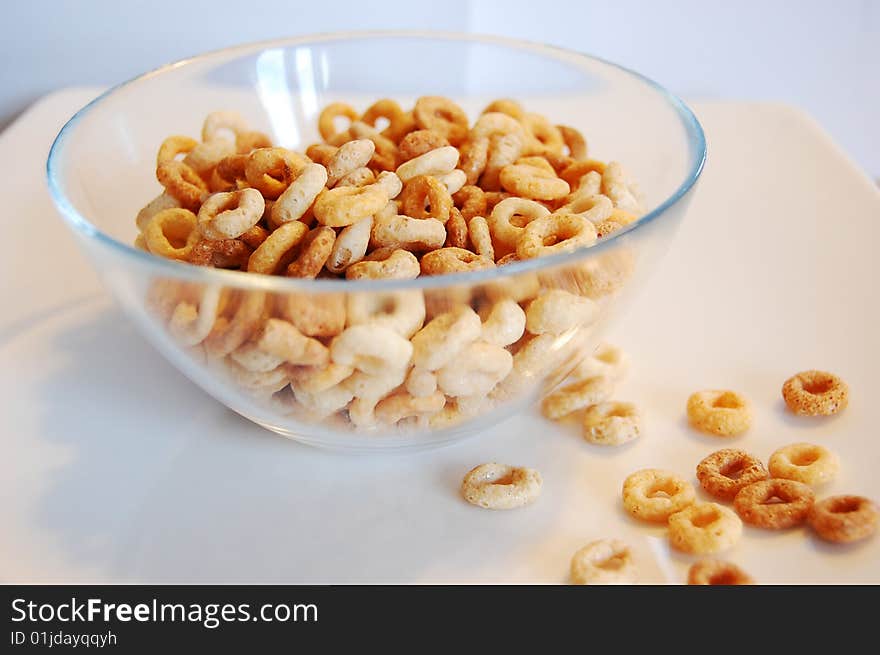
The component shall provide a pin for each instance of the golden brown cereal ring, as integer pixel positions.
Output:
(419, 142)
(722, 413)
(313, 253)
(443, 116)
(401, 125)
(386, 154)
(279, 248)
(655, 495)
(346, 205)
(547, 136)
(804, 462)
(245, 142)
(595, 208)
(505, 106)
(758, 503)
(723, 473)
(815, 393)
(576, 395)
(172, 233)
(271, 170)
(453, 260)
(494, 198)
(607, 561)
(456, 230)
(563, 232)
(531, 181)
(474, 158)
(398, 264)
(157, 204)
(232, 168)
(425, 197)
(574, 141)
(220, 253)
(508, 220)
(326, 121)
(182, 182)
(320, 153)
(717, 572)
(471, 200)
(385, 108)
(174, 146)
(573, 173)
(704, 528)
(843, 519)
(498, 486)
(612, 423)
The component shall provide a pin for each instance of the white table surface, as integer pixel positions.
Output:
(114, 468)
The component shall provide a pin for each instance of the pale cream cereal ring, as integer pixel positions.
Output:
(278, 250)
(436, 344)
(722, 413)
(844, 519)
(453, 181)
(161, 202)
(531, 181)
(574, 141)
(595, 208)
(172, 147)
(457, 231)
(191, 322)
(253, 358)
(504, 324)
(413, 234)
(724, 472)
(358, 177)
(421, 382)
(617, 186)
(453, 260)
(314, 249)
(182, 182)
(499, 486)
(612, 423)
(589, 185)
(546, 137)
(205, 157)
(324, 403)
(607, 561)
(347, 158)
(607, 360)
(296, 199)
(399, 406)
(362, 412)
(435, 162)
(271, 170)
(350, 246)
(315, 379)
(443, 116)
(396, 263)
(419, 142)
(285, 341)
(373, 349)
(375, 387)
(229, 215)
(476, 370)
(346, 205)
(497, 123)
(564, 232)
(259, 382)
(471, 200)
(815, 393)
(576, 395)
(556, 311)
(481, 237)
(172, 233)
(578, 169)
(704, 528)
(240, 320)
(389, 183)
(717, 572)
(804, 462)
(402, 311)
(314, 315)
(220, 124)
(774, 504)
(504, 150)
(424, 196)
(327, 118)
(474, 156)
(508, 220)
(654, 495)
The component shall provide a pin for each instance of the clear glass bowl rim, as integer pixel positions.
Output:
(245, 280)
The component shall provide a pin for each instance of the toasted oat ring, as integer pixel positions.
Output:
(385, 108)
(293, 204)
(843, 519)
(722, 413)
(220, 253)
(172, 233)
(574, 172)
(245, 142)
(270, 170)
(499, 486)
(358, 177)
(443, 116)
(229, 215)
(723, 473)
(595, 208)
(182, 182)
(277, 251)
(612, 423)
(556, 233)
(314, 250)
(424, 196)
(347, 158)
(174, 146)
(815, 393)
(453, 260)
(471, 200)
(231, 169)
(576, 395)
(401, 125)
(241, 319)
(385, 155)
(804, 462)
(473, 159)
(218, 122)
(754, 503)
(398, 264)
(508, 220)
(607, 561)
(717, 572)
(534, 182)
(481, 237)
(419, 142)
(326, 120)
(704, 528)
(457, 231)
(343, 206)
(574, 141)
(654, 495)
(546, 136)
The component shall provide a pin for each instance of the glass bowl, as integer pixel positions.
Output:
(101, 171)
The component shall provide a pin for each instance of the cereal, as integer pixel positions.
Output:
(453, 260)
(506, 106)
(594, 208)
(504, 323)
(345, 205)
(554, 234)
(774, 504)
(283, 340)
(844, 519)
(314, 249)
(278, 250)
(421, 382)
(402, 405)
(815, 393)
(499, 486)
(425, 196)
(163, 201)
(471, 200)
(171, 233)
(508, 220)
(250, 140)
(229, 215)
(219, 123)
(395, 264)
(373, 349)
(182, 182)
(385, 108)
(654, 495)
(704, 528)
(443, 116)
(402, 311)
(725, 472)
(574, 141)
(504, 150)
(435, 162)
(411, 234)
(317, 316)
(804, 462)
(347, 158)
(419, 142)
(454, 180)
(271, 170)
(612, 423)
(556, 311)
(576, 395)
(722, 413)
(327, 119)
(220, 253)
(607, 360)
(529, 181)
(457, 231)
(174, 146)
(350, 245)
(717, 572)
(607, 561)
(444, 337)
(474, 158)
(617, 186)
(476, 369)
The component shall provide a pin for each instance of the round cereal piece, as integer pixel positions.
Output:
(499, 486)
(278, 250)
(474, 158)
(723, 473)
(704, 528)
(566, 233)
(505, 106)
(457, 231)
(654, 495)
(576, 395)
(271, 170)
(314, 249)
(804, 462)
(388, 263)
(172, 233)
(384, 108)
(443, 116)
(722, 413)
(612, 423)
(607, 360)
(327, 118)
(424, 196)
(774, 504)
(717, 572)
(453, 260)
(815, 393)
(534, 182)
(606, 561)
(346, 205)
(182, 182)
(574, 141)
(843, 519)
(419, 142)
(471, 200)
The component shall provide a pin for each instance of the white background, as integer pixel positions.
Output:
(820, 55)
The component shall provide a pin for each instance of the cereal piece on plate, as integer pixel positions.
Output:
(717, 572)
(804, 462)
(774, 504)
(654, 494)
(606, 561)
(723, 473)
(815, 393)
(612, 423)
(843, 519)
(577, 395)
(499, 486)
(722, 413)
(704, 528)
